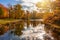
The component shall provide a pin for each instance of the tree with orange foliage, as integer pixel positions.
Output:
(1, 12)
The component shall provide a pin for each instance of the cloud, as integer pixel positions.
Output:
(29, 4)
(33, 1)
(17, 0)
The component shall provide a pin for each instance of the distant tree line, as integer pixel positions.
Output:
(16, 12)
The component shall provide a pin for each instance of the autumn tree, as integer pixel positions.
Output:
(18, 10)
(15, 11)
(1, 12)
(53, 19)
(11, 12)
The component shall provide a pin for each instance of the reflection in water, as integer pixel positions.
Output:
(34, 31)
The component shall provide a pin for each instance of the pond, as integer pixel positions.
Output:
(34, 31)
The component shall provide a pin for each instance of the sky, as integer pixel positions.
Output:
(12, 2)
(6, 2)
(27, 4)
